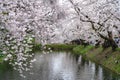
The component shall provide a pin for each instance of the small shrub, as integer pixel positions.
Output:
(37, 47)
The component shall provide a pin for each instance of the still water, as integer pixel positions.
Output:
(60, 66)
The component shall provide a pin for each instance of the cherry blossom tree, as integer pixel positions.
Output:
(18, 28)
(24, 23)
(103, 16)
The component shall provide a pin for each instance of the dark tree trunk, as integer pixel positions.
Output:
(109, 42)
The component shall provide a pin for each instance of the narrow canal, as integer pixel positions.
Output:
(60, 66)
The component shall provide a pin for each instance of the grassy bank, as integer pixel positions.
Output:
(82, 49)
(107, 57)
(58, 47)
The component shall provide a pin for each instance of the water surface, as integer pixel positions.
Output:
(60, 66)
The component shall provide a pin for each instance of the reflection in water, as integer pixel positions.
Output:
(60, 66)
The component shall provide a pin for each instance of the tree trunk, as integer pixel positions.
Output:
(109, 42)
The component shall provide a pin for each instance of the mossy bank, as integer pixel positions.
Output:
(106, 57)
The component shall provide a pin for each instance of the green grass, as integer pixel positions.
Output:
(94, 53)
(82, 50)
(113, 61)
(60, 46)
(117, 49)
